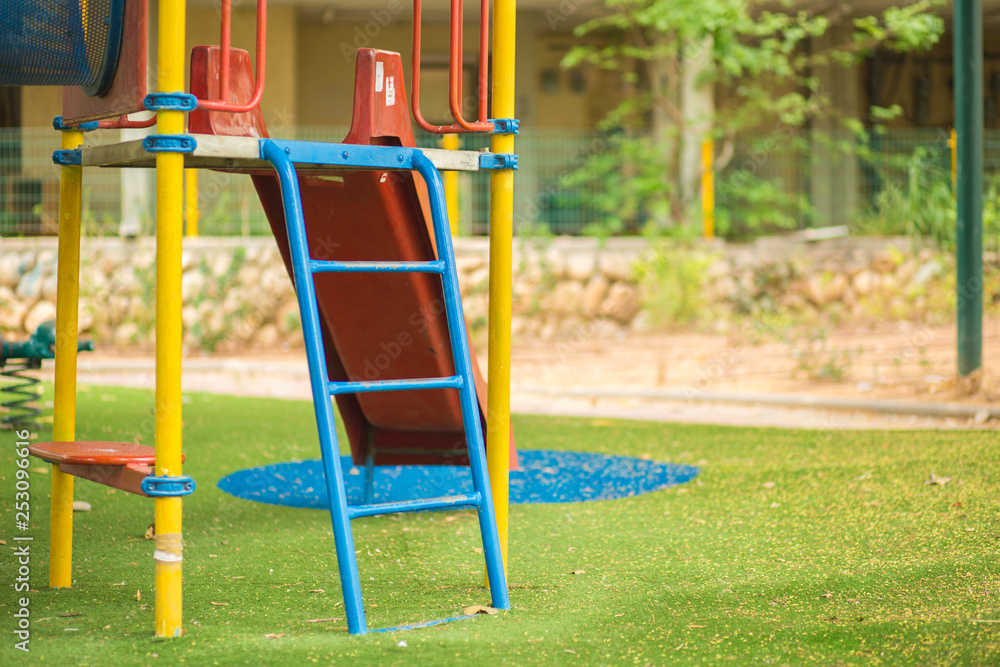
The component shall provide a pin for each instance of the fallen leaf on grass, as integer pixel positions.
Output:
(941, 481)
(322, 620)
(316, 590)
(219, 604)
(828, 594)
(138, 595)
(151, 531)
(40, 471)
(106, 627)
(769, 485)
(619, 615)
(478, 609)
(81, 506)
(578, 572)
(121, 584)
(272, 635)
(696, 626)
(70, 614)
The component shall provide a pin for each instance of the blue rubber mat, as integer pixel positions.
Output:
(544, 477)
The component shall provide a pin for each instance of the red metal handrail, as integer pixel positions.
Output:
(455, 67)
(225, 41)
(223, 104)
(124, 123)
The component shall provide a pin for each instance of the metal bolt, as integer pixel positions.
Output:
(344, 154)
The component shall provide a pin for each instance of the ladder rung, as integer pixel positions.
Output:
(467, 500)
(326, 266)
(452, 382)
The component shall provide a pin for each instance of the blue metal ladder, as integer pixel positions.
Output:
(283, 155)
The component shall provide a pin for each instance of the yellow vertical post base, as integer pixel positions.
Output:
(501, 268)
(169, 237)
(953, 145)
(168, 557)
(498, 374)
(61, 530)
(64, 401)
(168, 554)
(191, 211)
(708, 188)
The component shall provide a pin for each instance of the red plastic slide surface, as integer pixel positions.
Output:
(375, 326)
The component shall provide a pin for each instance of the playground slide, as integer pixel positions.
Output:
(375, 326)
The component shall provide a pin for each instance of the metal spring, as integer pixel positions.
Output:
(22, 410)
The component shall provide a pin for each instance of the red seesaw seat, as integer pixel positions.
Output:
(122, 465)
(375, 326)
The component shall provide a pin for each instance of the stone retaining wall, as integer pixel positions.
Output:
(237, 294)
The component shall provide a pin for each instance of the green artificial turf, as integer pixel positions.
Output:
(792, 547)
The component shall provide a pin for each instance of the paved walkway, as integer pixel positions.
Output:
(672, 378)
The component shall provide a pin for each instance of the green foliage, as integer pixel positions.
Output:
(818, 359)
(761, 56)
(991, 215)
(673, 282)
(625, 183)
(919, 205)
(750, 206)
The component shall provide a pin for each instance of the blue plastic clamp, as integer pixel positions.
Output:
(170, 102)
(497, 161)
(169, 143)
(57, 123)
(68, 158)
(165, 487)
(506, 125)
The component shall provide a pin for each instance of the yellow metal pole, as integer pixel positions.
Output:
(168, 553)
(450, 142)
(501, 253)
(708, 187)
(191, 212)
(67, 316)
(953, 145)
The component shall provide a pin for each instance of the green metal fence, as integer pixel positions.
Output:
(799, 179)
(29, 186)
(780, 181)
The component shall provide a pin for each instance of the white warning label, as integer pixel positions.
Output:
(379, 75)
(390, 91)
